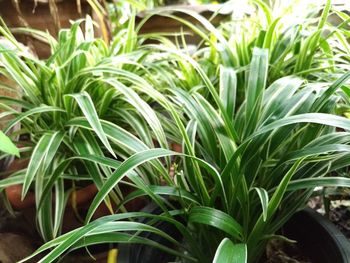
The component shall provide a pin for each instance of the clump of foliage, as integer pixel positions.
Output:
(257, 123)
(77, 106)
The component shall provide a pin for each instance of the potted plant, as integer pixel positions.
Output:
(77, 106)
(243, 175)
(299, 43)
(246, 167)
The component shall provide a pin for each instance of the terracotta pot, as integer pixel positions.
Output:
(14, 195)
(176, 147)
(78, 202)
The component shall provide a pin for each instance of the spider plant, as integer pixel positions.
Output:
(243, 172)
(309, 47)
(304, 46)
(247, 165)
(77, 103)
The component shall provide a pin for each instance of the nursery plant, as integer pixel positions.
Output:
(249, 161)
(243, 173)
(76, 103)
(304, 45)
(309, 47)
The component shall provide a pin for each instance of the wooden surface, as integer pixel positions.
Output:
(39, 17)
(159, 23)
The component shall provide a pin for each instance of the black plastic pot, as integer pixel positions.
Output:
(318, 238)
(146, 254)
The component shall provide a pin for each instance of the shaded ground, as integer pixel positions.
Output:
(340, 216)
(16, 239)
(280, 251)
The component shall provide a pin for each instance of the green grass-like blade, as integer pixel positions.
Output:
(36, 161)
(86, 105)
(264, 199)
(227, 252)
(216, 218)
(7, 146)
(228, 89)
(255, 89)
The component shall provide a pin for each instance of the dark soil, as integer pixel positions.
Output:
(15, 231)
(339, 211)
(340, 216)
(281, 251)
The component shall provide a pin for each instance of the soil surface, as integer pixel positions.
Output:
(14, 247)
(281, 251)
(16, 240)
(339, 214)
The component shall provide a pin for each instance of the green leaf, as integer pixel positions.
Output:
(228, 86)
(266, 10)
(147, 112)
(319, 118)
(309, 183)
(127, 166)
(36, 160)
(87, 106)
(258, 230)
(281, 189)
(12, 180)
(324, 14)
(330, 91)
(216, 218)
(122, 238)
(255, 89)
(162, 190)
(269, 37)
(76, 236)
(227, 252)
(264, 199)
(7, 146)
(24, 115)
